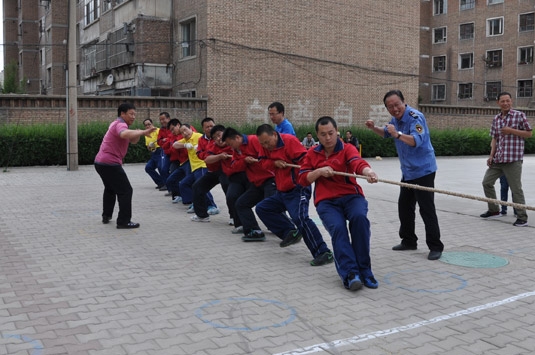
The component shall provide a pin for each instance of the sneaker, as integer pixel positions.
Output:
(323, 258)
(293, 237)
(213, 210)
(231, 222)
(177, 199)
(254, 236)
(106, 219)
(237, 230)
(353, 282)
(168, 193)
(162, 188)
(489, 214)
(520, 223)
(190, 209)
(371, 282)
(196, 218)
(503, 213)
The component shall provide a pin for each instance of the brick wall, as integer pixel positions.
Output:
(25, 110)
(316, 57)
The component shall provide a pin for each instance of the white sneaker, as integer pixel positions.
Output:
(177, 199)
(190, 209)
(213, 210)
(237, 230)
(196, 218)
(231, 222)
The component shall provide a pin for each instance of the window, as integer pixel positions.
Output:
(439, 35)
(89, 58)
(466, 61)
(467, 4)
(492, 88)
(525, 55)
(495, 26)
(439, 63)
(91, 10)
(492, 2)
(465, 91)
(440, 7)
(438, 92)
(525, 88)
(106, 5)
(526, 22)
(494, 58)
(466, 31)
(188, 38)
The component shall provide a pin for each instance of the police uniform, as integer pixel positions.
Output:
(418, 166)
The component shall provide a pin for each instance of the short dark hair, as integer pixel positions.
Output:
(503, 93)
(325, 120)
(147, 119)
(207, 119)
(217, 128)
(230, 133)
(392, 93)
(265, 128)
(278, 106)
(164, 113)
(124, 107)
(173, 122)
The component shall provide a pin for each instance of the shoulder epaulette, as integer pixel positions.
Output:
(413, 114)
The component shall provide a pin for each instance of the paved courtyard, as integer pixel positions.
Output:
(71, 285)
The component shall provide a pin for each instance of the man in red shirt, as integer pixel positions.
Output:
(247, 156)
(163, 136)
(338, 199)
(282, 149)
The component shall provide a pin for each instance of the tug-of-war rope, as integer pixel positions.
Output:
(430, 189)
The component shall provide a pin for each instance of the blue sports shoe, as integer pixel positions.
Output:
(353, 282)
(371, 282)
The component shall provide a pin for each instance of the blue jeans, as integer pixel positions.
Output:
(186, 187)
(163, 165)
(152, 165)
(504, 192)
(272, 212)
(351, 254)
(177, 175)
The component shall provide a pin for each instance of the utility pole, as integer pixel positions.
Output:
(72, 95)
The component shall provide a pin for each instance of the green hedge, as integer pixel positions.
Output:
(46, 144)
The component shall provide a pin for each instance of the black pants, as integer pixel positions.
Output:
(406, 211)
(202, 186)
(116, 187)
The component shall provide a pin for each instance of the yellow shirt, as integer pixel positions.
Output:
(194, 160)
(152, 139)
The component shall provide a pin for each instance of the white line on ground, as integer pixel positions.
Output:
(381, 333)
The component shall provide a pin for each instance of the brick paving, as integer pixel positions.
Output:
(71, 285)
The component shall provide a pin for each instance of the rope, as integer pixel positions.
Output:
(431, 189)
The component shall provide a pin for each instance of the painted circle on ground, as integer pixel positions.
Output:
(425, 281)
(473, 259)
(246, 314)
(37, 347)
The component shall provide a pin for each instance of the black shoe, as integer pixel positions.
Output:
(254, 236)
(434, 255)
(323, 259)
(293, 237)
(162, 188)
(106, 219)
(159, 187)
(129, 225)
(402, 246)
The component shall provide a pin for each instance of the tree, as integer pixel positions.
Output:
(11, 84)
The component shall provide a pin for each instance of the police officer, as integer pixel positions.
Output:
(409, 130)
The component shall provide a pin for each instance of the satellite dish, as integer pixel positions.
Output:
(109, 79)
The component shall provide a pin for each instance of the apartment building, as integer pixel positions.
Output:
(329, 57)
(470, 50)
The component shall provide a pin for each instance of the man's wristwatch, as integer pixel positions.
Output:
(399, 135)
